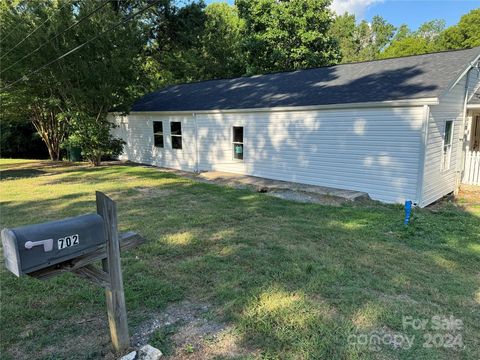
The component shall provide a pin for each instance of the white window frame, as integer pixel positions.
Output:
(175, 135)
(447, 148)
(158, 134)
(238, 142)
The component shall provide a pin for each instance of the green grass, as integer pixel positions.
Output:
(295, 280)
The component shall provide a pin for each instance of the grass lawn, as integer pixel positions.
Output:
(284, 280)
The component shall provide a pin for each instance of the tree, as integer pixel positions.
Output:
(105, 76)
(465, 34)
(222, 42)
(287, 35)
(364, 41)
(18, 136)
(344, 30)
(403, 32)
(411, 45)
(176, 46)
(431, 30)
(424, 40)
(35, 98)
(75, 94)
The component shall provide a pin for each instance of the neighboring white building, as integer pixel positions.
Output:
(393, 128)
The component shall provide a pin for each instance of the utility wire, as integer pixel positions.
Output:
(128, 18)
(58, 34)
(31, 33)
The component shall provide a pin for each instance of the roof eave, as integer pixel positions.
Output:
(375, 104)
(471, 65)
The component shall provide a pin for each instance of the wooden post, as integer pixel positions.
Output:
(117, 312)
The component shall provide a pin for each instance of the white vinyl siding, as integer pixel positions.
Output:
(438, 182)
(375, 150)
(136, 131)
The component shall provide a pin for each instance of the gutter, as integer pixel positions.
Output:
(194, 117)
(460, 161)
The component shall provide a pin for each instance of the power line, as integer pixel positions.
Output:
(128, 18)
(58, 34)
(31, 33)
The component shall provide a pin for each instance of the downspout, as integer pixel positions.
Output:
(423, 155)
(462, 153)
(194, 116)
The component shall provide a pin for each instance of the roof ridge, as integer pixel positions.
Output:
(315, 68)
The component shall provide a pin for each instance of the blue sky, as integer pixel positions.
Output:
(411, 12)
(415, 12)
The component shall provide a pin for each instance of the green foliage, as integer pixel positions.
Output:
(431, 30)
(364, 41)
(221, 42)
(344, 30)
(424, 40)
(432, 36)
(465, 34)
(99, 77)
(34, 99)
(194, 43)
(176, 50)
(411, 45)
(287, 35)
(93, 135)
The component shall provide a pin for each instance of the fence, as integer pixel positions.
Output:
(471, 175)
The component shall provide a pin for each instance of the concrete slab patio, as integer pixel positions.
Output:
(277, 188)
(283, 189)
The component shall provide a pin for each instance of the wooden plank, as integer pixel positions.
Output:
(128, 240)
(95, 275)
(116, 309)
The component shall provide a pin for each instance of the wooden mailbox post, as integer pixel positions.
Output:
(110, 276)
(117, 312)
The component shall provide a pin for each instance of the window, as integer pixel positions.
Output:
(158, 134)
(447, 145)
(238, 142)
(176, 133)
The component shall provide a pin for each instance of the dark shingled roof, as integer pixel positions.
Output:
(475, 98)
(411, 77)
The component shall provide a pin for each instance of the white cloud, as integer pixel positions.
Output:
(356, 7)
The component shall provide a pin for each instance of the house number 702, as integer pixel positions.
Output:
(68, 241)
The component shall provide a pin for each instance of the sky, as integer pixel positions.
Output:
(410, 12)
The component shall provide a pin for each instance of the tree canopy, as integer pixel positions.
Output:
(286, 35)
(74, 94)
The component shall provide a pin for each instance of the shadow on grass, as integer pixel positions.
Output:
(20, 173)
(295, 279)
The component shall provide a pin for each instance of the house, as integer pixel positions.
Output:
(403, 128)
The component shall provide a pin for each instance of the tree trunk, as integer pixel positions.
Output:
(50, 128)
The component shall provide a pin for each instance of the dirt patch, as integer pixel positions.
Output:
(187, 330)
(304, 197)
(154, 191)
(469, 195)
